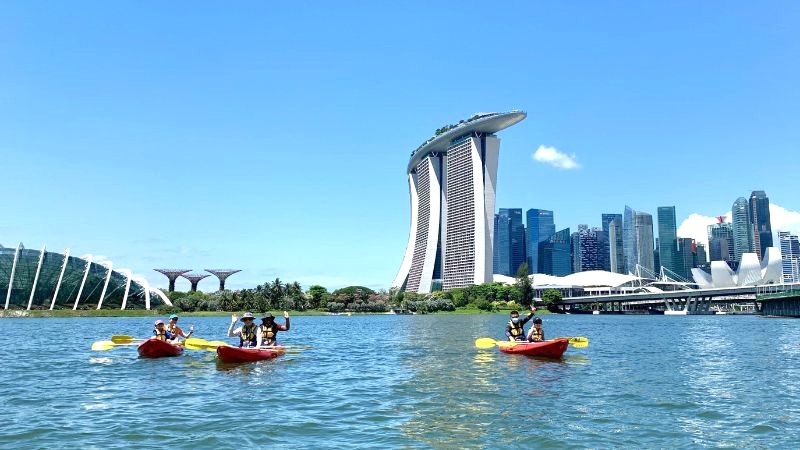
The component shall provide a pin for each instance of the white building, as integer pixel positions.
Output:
(452, 179)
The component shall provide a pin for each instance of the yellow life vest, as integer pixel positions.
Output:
(537, 335)
(248, 336)
(516, 329)
(268, 333)
(161, 335)
(171, 328)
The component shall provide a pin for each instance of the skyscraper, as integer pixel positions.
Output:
(720, 241)
(452, 179)
(616, 261)
(637, 240)
(510, 239)
(643, 256)
(540, 226)
(614, 240)
(759, 217)
(687, 254)
(701, 257)
(555, 254)
(790, 257)
(668, 240)
(587, 246)
(742, 228)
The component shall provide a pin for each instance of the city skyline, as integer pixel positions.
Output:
(152, 145)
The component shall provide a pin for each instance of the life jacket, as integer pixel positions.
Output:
(537, 335)
(161, 335)
(268, 333)
(248, 336)
(516, 329)
(171, 328)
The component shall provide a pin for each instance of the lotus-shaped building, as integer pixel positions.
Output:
(752, 272)
(38, 279)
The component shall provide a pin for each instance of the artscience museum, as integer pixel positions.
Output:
(751, 272)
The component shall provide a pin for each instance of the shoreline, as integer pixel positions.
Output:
(68, 313)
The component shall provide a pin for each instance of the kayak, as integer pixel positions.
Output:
(228, 354)
(153, 348)
(548, 349)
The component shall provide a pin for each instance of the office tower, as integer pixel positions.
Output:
(687, 255)
(790, 257)
(643, 231)
(614, 242)
(616, 260)
(628, 241)
(742, 228)
(588, 249)
(502, 245)
(668, 240)
(701, 258)
(540, 226)
(510, 241)
(720, 241)
(555, 254)
(452, 179)
(759, 217)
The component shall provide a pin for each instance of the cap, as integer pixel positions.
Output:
(173, 316)
(537, 320)
(159, 322)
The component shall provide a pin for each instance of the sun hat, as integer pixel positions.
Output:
(267, 316)
(159, 322)
(247, 315)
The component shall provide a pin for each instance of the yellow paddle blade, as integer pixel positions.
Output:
(195, 342)
(485, 342)
(193, 347)
(123, 339)
(578, 341)
(100, 346)
(579, 344)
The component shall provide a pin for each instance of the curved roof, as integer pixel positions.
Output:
(485, 123)
(34, 279)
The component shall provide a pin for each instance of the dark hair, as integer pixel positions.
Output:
(514, 312)
(537, 320)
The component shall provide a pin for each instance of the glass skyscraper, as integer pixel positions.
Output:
(614, 239)
(540, 226)
(790, 255)
(510, 241)
(720, 241)
(668, 241)
(637, 240)
(742, 229)
(555, 254)
(759, 217)
(587, 249)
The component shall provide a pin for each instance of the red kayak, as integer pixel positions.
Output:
(548, 349)
(153, 348)
(229, 354)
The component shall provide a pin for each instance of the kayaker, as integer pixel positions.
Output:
(268, 330)
(515, 329)
(537, 333)
(172, 327)
(161, 333)
(247, 332)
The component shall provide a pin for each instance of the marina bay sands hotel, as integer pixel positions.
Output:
(452, 179)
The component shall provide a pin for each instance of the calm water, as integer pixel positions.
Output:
(409, 382)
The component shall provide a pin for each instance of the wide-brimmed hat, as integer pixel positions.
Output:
(159, 322)
(247, 316)
(266, 316)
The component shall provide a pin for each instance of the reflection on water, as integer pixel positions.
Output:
(413, 382)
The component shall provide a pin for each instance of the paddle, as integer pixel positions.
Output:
(578, 341)
(100, 346)
(124, 339)
(202, 344)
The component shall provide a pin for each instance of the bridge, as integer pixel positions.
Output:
(692, 301)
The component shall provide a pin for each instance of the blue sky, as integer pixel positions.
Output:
(274, 136)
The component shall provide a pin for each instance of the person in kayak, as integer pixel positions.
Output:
(537, 333)
(268, 330)
(161, 333)
(172, 327)
(515, 329)
(247, 332)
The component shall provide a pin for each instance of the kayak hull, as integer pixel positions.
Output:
(153, 348)
(228, 354)
(548, 349)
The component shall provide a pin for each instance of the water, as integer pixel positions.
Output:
(409, 382)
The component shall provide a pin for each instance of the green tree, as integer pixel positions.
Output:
(318, 296)
(551, 298)
(524, 285)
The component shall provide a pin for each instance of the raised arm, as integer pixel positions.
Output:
(286, 326)
(231, 331)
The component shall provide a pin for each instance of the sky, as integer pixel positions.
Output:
(273, 137)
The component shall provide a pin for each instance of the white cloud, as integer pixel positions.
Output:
(551, 155)
(696, 225)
